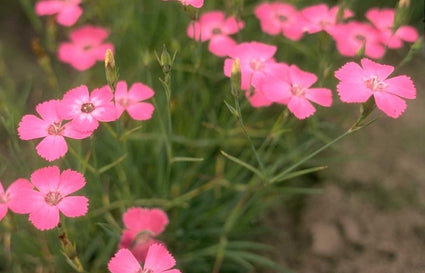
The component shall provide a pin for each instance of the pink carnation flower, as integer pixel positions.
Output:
(158, 260)
(131, 101)
(142, 225)
(216, 28)
(67, 11)
(86, 47)
(292, 87)
(358, 83)
(86, 110)
(50, 127)
(352, 37)
(14, 196)
(194, 3)
(383, 20)
(278, 17)
(53, 196)
(319, 17)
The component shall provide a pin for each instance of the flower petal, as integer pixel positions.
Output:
(73, 206)
(140, 219)
(220, 45)
(52, 147)
(124, 262)
(32, 127)
(69, 15)
(141, 110)
(46, 179)
(322, 96)
(390, 104)
(301, 107)
(158, 258)
(70, 181)
(48, 7)
(21, 196)
(401, 86)
(139, 92)
(45, 217)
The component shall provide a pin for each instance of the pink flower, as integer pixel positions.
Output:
(67, 11)
(216, 28)
(51, 127)
(352, 37)
(131, 101)
(86, 110)
(194, 3)
(292, 87)
(158, 260)
(14, 197)
(255, 59)
(142, 225)
(358, 83)
(383, 20)
(319, 17)
(278, 17)
(86, 47)
(52, 196)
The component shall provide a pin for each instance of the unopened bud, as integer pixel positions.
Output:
(165, 60)
(235, 77)
(111, 70)
(191, 12)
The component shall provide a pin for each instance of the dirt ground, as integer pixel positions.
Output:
(371, 214)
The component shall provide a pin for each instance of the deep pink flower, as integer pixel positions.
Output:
(85, 48)
(254, 58)
(14, 197)
(194, 3)
(216, 28)
(358, 83)
(142, 225)
(383, 20)
(158, 260)
(67, 11)
(292, 87)
(131, 101)
(52, 196)
(278, 17)
(319, 17)
(51, 127)
(352, 37)
(86, 110)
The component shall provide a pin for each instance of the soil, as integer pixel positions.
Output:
(370, 216)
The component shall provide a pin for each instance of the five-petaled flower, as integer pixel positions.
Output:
(291, 86)
(158, 260)
(142, 224)
(52, 127)
(86, 110)
(215, 27)
(131, 101)
(14, 197)
(358, 83)
(52, 196)
(320, 17)
(67, 11)
(85, 48)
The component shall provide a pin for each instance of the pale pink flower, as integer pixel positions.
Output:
(383, 20)
(215, 27)
(158, 260)
(292, 87)
(85, 48)
(14, 197)
(358, 83)
(51, 127)
(320, 17)
(86, 110)
(53, 197)
(194, 3)
(142, 224)
(131, 101)
(254, 58)
(352, 37)
(67, 11)
(278, 17)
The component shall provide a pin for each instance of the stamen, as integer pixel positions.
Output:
(87, 107)
(53, 198)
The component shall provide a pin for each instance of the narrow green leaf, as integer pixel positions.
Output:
(109, 166)
(244, 164)
(285, 176)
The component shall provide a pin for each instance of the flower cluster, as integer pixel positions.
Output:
(50, 197)
(78, 114)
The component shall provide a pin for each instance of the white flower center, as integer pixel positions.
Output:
(256, 64)
(297, 90)
(375, 84)
(55, 129)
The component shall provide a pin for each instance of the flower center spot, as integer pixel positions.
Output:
(216, 31)
(256, 64)
(87, 107)
(375, 84)
(55, 129)
(282, 18)
(360, 38)
(53, 198)
(297, 90)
